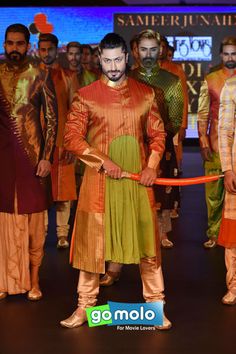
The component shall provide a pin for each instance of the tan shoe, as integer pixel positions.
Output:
(210, 244)
(3, 295)
(229, 299)
(166, 243)
(34, 294)
(109, 279)
(78, 318)
(62, 242)
(166, 324)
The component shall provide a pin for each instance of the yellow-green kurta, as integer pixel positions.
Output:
(100, 114)
(169, 96)
(170, 84)
(85, 77)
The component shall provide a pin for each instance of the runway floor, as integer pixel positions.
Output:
(194, 281)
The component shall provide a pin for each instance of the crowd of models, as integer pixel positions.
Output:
(73, 132)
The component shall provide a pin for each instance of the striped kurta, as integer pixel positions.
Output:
(208, 119)
(227, 149)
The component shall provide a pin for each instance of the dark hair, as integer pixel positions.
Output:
(171, 48)
(18, 27)
(227, 41)
(48, 37)
(95, 49)
(111, 41)
(133, 41)
(73, 45)
(164, 39)
(83, 46)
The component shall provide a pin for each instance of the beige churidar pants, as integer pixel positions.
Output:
(152, 280)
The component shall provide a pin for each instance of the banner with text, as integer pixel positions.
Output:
(196, 38)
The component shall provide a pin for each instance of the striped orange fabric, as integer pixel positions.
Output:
(227, 142)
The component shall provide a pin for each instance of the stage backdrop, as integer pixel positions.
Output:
(195, 31)
(196, 37)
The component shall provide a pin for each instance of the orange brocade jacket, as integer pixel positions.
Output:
(101, 112)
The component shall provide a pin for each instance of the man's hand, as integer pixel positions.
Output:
(206, 154)
(67, 157)
(112, 170)
(182, 134)
(44, 168)
(148, 176)
(230, 182)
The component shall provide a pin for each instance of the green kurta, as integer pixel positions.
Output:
(170, 100)
(214, 195)
(129, 229)
(170, 84)
(85, 78)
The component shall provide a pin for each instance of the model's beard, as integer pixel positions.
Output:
(48, 60)
(113, 78)
(148, 62)
(15, 57)
(74, 63)
(231, 64)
